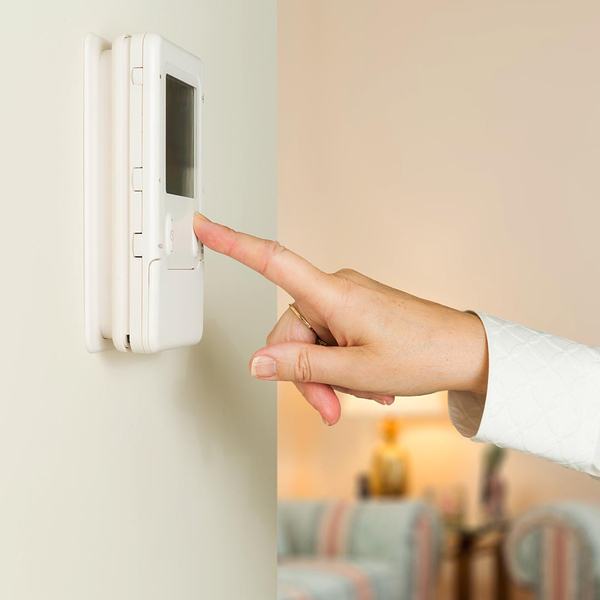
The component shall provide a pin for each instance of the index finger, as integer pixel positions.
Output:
(299, 278)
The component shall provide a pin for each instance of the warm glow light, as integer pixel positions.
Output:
(418, 407)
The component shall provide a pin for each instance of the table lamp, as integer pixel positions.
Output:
(389, 472)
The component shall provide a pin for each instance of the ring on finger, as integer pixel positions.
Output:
(302, 318)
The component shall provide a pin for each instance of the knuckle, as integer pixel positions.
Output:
(347, 281)
(273, 249)
(347, 273)
(302, 368)
(349, 276)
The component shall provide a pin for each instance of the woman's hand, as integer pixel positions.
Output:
(383, 342)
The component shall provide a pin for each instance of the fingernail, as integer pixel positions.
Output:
(324, 421)
(263, 367)
(201, 216)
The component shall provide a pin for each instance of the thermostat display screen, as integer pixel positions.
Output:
(180, 128)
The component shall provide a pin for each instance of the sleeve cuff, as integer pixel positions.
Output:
(466, 411)
(543, 397)
(466, 408)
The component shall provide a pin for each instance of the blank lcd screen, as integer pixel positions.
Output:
(180, 129)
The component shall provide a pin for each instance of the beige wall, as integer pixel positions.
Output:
(133, 477)
(451, 150)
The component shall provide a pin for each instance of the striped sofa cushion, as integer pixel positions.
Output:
(359, 551)
(554, 551)
(334, 527)
(335, 539)
(337, 579)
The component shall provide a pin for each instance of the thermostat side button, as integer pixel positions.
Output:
(137, 77)
(137, 179)
(137, 245)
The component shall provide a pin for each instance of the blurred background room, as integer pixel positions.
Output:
(451, 150)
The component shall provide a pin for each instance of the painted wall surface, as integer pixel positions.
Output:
(450, 150)
(133, 477)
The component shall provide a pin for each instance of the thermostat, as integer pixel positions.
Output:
(144, 266)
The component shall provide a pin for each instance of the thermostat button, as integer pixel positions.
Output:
(137, 77)
(137, 179)
(137, 245)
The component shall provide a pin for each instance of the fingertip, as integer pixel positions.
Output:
(264, 367)
(199, 221)
(333, 421)
(323, 399)
(213, 235)
(330, 411)
(385, 400)
(326, 402)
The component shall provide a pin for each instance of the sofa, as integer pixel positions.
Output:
(554, 551)
(375, 550)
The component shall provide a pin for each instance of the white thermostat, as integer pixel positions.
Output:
(144, 266)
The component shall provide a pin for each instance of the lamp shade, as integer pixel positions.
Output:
(404, 407)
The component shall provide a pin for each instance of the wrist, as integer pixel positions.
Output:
(476, 367)
(467, 354)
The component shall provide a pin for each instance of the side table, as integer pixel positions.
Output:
(464, 542)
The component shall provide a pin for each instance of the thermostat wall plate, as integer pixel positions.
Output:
(144, 266)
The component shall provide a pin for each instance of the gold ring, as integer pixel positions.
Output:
(319, 341)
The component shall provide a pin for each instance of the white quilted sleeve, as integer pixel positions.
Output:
(543, 397)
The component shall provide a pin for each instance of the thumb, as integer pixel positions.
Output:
(301, 362)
